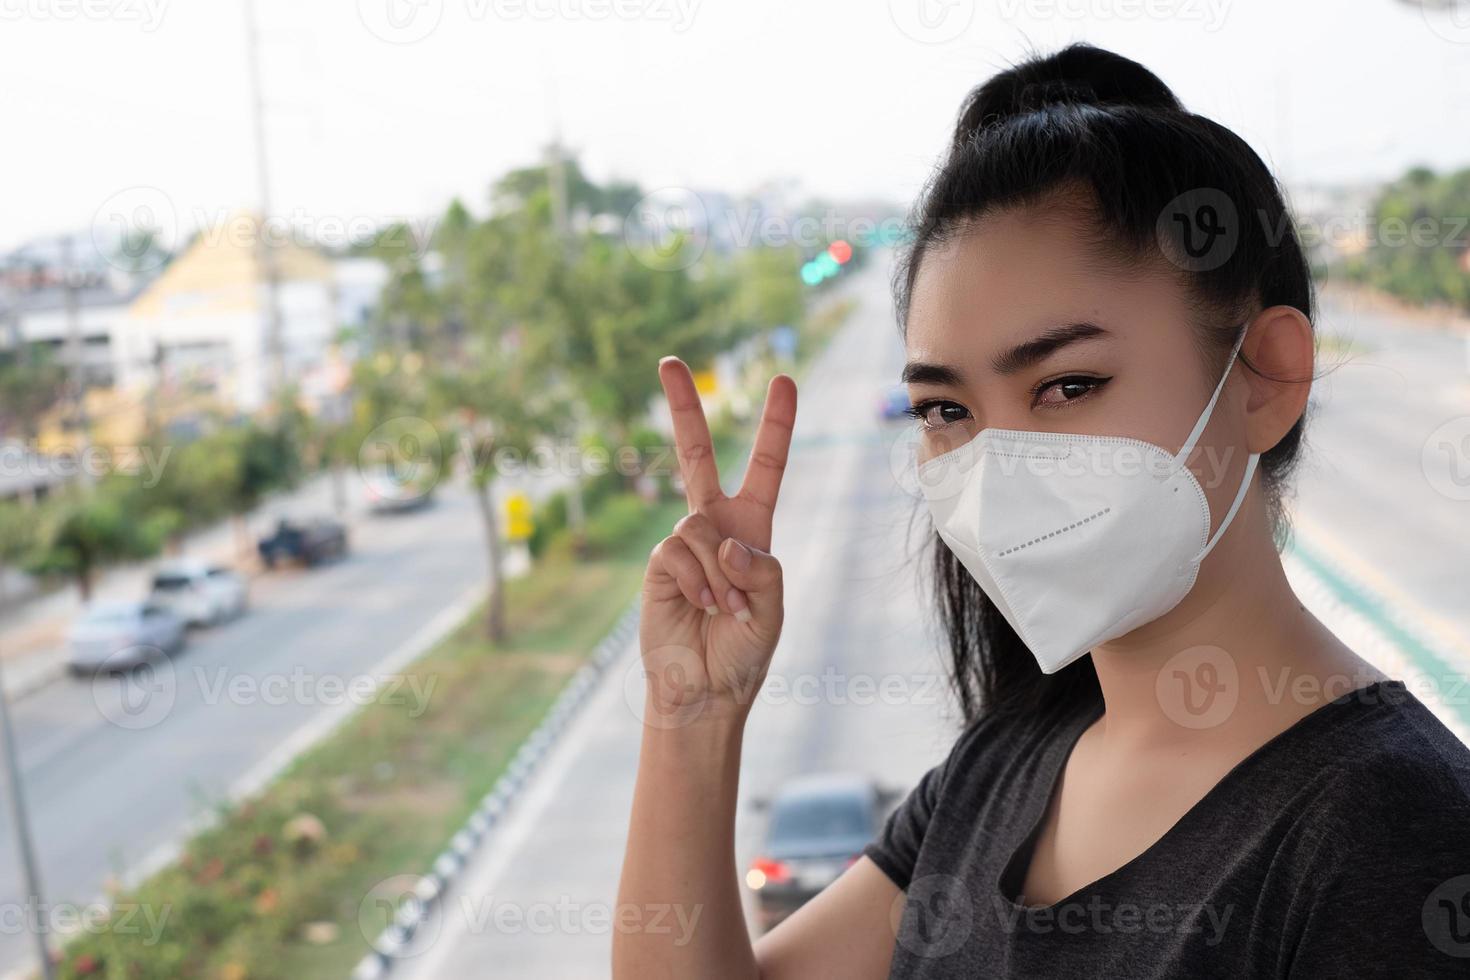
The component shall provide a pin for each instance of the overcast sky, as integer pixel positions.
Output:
(391, 106)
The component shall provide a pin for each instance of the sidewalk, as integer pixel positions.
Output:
(33, 630)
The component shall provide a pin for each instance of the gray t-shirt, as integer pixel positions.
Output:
(1340, 848)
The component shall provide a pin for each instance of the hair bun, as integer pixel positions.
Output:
(1079, 74)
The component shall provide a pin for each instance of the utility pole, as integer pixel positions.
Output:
(30, 875)
(76, 355)
(268, 260)
(556, 181)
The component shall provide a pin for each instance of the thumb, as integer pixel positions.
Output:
(755, 572)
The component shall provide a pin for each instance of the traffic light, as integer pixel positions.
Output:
(827, 264)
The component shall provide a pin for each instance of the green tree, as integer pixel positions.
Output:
(495, 396)
(17, 538)
(1418, 245)
(31, 384)
(80, 534)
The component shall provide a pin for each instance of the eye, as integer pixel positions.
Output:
(1060, 391)
(937, 413)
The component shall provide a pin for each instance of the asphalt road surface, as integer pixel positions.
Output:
(1385, 480)
(114, 776)
(538, 899)
(855, 686)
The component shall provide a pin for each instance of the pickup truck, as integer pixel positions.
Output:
(309, 542)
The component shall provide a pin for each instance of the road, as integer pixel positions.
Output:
(538, 898)
(855, 685)
(1387, 468)
(111, 784)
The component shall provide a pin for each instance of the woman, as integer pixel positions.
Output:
(1107, 318)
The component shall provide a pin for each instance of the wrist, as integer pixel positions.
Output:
(692, 714)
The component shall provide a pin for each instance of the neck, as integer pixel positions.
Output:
(1240, 653)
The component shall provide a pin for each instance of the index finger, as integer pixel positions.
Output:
(772, 442)
(691, 435)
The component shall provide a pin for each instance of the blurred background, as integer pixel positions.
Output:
(332, 449)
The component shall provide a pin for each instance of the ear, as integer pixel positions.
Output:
(1281, 352)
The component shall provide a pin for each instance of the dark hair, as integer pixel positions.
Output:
(1091, 120)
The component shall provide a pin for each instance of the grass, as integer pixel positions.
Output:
(388, 790)
(276, 887)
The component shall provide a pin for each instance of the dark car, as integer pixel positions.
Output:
(818, 827)
(893, 403)
(308, 542)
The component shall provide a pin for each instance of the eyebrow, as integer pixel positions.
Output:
(1007, 362)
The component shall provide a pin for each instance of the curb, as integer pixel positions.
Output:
(1439, 662)
(430, 890)
(20, 683)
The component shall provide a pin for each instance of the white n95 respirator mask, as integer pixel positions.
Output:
(1077, 539)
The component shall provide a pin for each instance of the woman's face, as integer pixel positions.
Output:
(1018, 324)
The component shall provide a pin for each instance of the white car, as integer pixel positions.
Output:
(116, 636)
(199, 594)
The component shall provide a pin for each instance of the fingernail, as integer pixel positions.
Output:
(738, 555)
(735, 599)
(708, 598)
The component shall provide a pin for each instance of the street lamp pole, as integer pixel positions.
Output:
(32, 877)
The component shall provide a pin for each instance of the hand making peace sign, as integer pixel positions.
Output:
(712, 604)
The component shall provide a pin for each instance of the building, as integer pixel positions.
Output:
(204, 321)
(44, 317)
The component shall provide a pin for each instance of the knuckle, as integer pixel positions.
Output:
(694, 452)
(694, 526)
(767, 460)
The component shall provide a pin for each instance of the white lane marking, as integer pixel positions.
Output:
(321, 725)
(523, 819)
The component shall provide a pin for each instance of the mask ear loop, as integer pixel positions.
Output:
(1204, 419)
(1245, 485)
(1193, 439)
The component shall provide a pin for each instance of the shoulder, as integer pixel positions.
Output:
(1380, 847)
(1390, 759)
